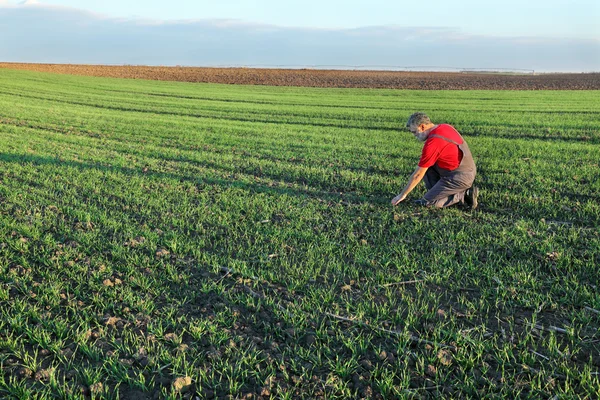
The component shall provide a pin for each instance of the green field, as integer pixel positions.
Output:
(167, 240)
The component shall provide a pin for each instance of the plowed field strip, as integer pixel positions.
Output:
(330, 78)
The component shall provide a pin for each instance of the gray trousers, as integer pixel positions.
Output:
(447, 190)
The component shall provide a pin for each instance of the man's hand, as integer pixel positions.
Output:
(413, 181)
(398, 199)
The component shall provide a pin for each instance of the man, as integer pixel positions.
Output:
(446, 164)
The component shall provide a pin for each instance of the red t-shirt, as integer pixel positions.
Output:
(438, 151)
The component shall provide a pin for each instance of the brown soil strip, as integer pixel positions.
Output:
(330, 78)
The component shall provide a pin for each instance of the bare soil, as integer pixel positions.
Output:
(330, 78)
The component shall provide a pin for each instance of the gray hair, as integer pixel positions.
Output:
(417, 119)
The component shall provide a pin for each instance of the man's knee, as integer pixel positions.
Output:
(427, 203)
(444, 200)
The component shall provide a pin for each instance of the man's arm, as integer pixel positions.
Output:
(413, 181)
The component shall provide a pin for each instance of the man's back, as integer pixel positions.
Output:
(442, 152)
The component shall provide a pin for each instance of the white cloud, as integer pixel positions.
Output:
(38, 5)
(23, 3)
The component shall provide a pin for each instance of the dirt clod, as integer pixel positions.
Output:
(43, 374)
(112, 321)
(182, 384)
(23, 372)
(445, 357)
(171, 337)
(431, 370)
(366, 364)
(162, 253)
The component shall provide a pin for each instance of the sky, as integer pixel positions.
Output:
(562, 18)
(551, 35)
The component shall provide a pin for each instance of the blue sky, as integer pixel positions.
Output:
(554, 35)
(549, 18)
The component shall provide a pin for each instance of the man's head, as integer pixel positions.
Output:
(419, 125)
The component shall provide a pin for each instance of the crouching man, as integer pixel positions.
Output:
(446, 165)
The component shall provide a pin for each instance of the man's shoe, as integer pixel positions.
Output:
(421, 202)
(471, 197)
